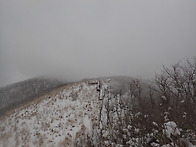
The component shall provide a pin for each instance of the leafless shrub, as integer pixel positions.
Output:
(139, 119)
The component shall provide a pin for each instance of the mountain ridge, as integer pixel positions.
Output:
(16, 94)
(64, 94)
(94, 112)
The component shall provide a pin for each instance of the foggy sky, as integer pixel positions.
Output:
(93, 38)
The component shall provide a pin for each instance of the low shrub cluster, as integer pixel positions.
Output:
(159, 113)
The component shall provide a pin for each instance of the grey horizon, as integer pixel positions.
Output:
(85, 39)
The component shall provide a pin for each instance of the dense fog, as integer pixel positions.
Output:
(83, 39)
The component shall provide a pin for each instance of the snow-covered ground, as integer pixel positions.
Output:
(56, 120)
(99, 109)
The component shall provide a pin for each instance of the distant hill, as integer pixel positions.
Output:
(18, 93)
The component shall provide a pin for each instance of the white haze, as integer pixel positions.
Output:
(83, 39)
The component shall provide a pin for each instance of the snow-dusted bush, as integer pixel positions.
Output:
(158, 114)
(171, 129)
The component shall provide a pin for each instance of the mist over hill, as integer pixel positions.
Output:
(110, 111)
(18, 93)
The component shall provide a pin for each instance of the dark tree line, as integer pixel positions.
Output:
(18, 93)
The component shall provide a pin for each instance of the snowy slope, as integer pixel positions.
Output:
(96, 112)
(55, 120)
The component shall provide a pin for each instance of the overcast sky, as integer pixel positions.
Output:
(79, 39)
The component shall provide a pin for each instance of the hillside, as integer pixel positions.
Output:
(16, 94)
(96, 112)
(54, 120)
